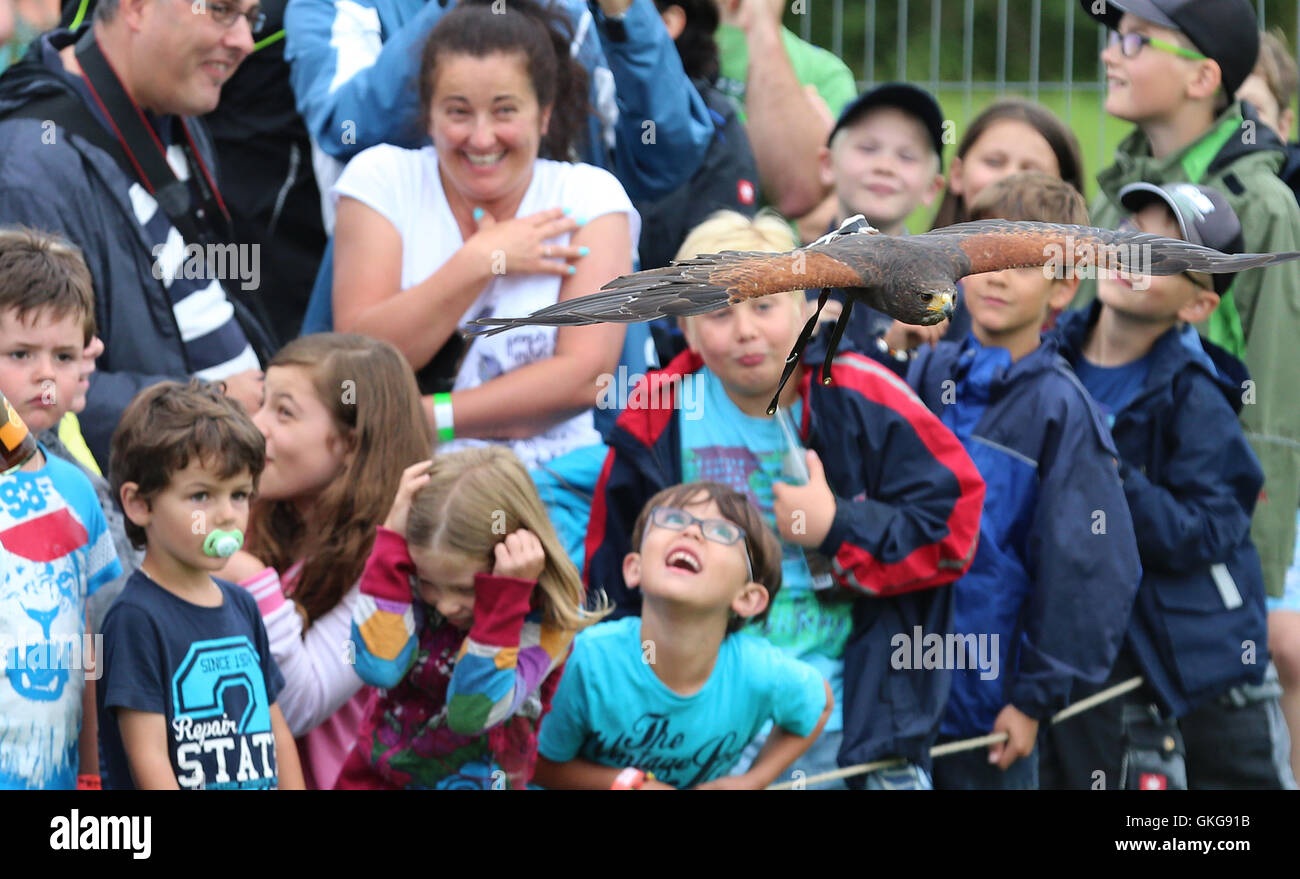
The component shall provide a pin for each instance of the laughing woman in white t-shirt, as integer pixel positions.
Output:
(477, 224)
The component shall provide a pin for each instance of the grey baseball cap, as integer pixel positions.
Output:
(1203, 214)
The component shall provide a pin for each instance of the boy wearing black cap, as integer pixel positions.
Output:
(1198, 633)
(884, 158)
(1172, 67)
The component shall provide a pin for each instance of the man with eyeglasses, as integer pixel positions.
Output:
(98, 143)
(1172, 67)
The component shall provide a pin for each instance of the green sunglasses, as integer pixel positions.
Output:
(1131, 44)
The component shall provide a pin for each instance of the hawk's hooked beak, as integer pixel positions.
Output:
(943, 304)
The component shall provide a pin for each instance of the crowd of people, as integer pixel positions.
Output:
(288, 524)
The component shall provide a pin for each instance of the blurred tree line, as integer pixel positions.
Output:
(856, 20)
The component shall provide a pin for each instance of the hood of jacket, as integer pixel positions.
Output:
(30, 78)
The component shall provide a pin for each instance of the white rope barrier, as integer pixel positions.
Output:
(965, 744)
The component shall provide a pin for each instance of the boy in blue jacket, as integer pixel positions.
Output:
(1045, 602)
(870, 494)
(1198, 633)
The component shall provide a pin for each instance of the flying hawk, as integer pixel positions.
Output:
(910, 278)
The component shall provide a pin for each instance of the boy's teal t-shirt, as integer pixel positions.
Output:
(747, 455)
(612, 709)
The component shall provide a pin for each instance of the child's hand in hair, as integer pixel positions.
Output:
(520, 556)
(413, 479)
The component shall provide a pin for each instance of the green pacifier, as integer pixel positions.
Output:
(223, 544)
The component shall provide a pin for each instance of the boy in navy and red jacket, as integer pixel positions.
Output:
(1053, 580)
(871, 496)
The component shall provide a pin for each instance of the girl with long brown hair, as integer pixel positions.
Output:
(1008, 137)
(342, 420)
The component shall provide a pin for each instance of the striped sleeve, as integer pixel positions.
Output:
(504, 659)
(383, 623)
(265, 588)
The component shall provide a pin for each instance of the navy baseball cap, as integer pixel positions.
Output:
(1224, 30)
(1203, 214)
(910, 99)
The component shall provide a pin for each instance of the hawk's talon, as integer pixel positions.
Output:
(793, 360)
(836, 335)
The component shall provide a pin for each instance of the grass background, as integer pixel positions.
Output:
(1012, 41)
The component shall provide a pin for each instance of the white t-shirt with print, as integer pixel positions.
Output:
(404, 186)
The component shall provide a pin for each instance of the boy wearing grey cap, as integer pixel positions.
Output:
(1172, 67)
(1207, 715)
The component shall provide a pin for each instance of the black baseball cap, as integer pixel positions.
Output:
(906, 97)
(1224, 30)
(1203, 214)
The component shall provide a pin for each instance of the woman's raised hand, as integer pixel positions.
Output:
(413, 479)
(515, 246)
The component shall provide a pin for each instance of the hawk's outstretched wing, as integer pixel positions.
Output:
(994, 245)
(691, 286)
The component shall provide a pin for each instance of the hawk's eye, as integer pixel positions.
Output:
(926, 297)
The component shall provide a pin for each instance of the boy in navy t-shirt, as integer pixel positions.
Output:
(679, 692)
(189, 692)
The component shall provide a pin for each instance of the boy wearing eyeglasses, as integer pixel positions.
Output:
(876, 503)
(1173, 68)
(671, 699)
(1197, 634)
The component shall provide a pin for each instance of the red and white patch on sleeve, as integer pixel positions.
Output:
(744, 192)
(46, 538)
(1152, 781)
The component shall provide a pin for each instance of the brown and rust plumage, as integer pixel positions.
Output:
(910, 278)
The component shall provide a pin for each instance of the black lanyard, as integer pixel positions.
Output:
(146, 156)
